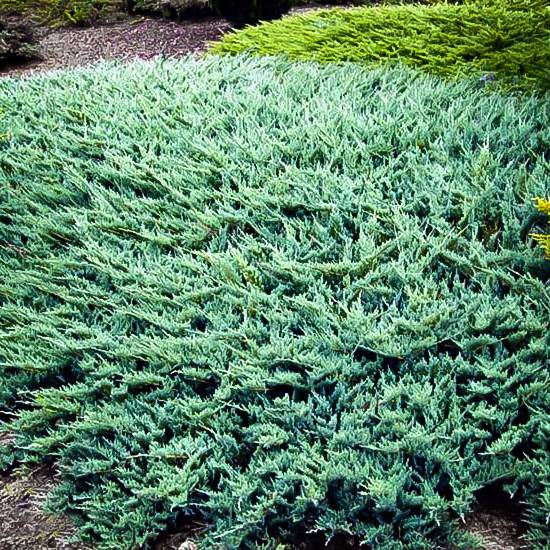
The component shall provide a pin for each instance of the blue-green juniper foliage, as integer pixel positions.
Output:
(282, 300)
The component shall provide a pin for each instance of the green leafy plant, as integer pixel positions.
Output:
(290, 317)
(499, 41)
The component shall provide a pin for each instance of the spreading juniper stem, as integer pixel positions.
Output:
(501, 39)
(315, 311)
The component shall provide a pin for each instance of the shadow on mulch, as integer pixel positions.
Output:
(495, 521)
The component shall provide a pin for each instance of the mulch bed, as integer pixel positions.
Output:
(497, 529)
(23, 525)
(128, 38)
(132, 38)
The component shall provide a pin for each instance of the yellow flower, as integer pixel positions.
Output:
(544, 240)
(543, 205)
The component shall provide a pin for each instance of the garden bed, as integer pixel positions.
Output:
(131, 38)
(258, 302)
(123, 37)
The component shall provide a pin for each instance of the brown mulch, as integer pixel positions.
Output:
(496, 529)
(23, 525)
(133, 38)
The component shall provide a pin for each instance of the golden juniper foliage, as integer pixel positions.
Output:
(544, 239)
(505, 41)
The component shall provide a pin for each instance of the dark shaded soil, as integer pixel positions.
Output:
(496, 530)
(495, 522)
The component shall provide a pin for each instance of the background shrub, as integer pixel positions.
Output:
(241, 12)
(60, 12)
(81, 12)
(309, 313)
(172, 8)
(17, 41)
(495, 40)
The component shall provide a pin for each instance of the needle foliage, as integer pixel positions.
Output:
(504, 40)
(305, 315)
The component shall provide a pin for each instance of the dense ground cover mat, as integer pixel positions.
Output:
(311, 314)
(504, 40)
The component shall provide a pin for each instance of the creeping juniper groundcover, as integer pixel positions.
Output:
(286, 302)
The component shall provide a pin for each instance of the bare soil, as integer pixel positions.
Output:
(23, 525)
(496, 530)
